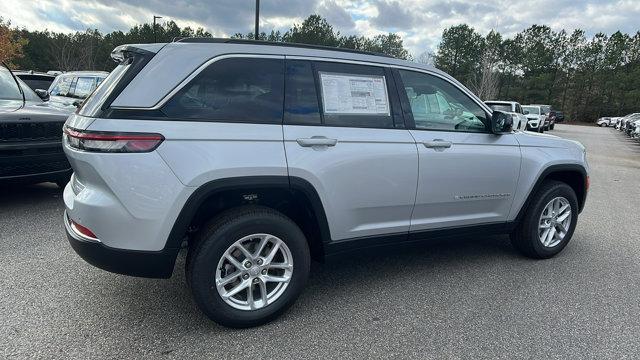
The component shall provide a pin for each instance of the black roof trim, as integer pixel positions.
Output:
(275, 43)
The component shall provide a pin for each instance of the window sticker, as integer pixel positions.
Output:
(354, 94)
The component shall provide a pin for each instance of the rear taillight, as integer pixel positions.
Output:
(114, 142)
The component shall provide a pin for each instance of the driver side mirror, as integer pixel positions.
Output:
(501, 123)
(43, 94)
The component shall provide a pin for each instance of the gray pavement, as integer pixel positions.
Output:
(472, 298)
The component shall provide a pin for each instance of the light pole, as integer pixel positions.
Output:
(255, 36)
(154, 27)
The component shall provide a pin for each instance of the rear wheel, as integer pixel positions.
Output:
(549, 221)
(248, 266)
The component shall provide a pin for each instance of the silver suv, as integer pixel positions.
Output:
(257, 157)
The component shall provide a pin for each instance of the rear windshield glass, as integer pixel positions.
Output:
(8, 88)
(37, 83)
(93, 103)
(500, 107)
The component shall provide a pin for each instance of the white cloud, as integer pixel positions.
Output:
(419, 22)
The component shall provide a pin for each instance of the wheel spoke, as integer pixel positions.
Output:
(564, 216)
(273, 252)
(261, 245)
(227, 279)
(563, 208)
(562, 228)
(263, 293)
(279, 279)
(284, 266)
(243, 285)
(244, 251)
(543, 237)
(233, 261)
(250, 301)
(551, 236)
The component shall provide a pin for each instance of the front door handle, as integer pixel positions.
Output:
(316, 141)
(437, 144)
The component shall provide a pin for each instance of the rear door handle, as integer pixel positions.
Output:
(316, 141)
(437, 144)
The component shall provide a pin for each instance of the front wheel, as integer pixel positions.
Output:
(549, 221)
(248, 266)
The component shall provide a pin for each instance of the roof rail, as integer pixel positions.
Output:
(275, 43)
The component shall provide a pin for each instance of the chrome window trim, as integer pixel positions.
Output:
(204, 65)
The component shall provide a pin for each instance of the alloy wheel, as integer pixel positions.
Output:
(254, 271)
(554, 222)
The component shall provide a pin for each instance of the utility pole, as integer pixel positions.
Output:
(154, 27)
(255, 37)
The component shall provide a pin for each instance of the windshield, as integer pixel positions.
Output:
(9, 90)
(61, 86)
(500, 107)
(533, 110)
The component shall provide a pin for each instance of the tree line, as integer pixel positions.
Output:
(586, 77)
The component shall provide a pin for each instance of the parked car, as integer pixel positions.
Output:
(631, 125)
(30, 135)
(535, 118)
(514, 109)
(615, 121)
(550, 116)
(603, 121)
(636, 130)
(559, 116)
(624, 122)
(71, 88)
(35, 80)
(259, 156)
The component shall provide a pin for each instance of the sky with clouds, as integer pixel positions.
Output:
(419, 22)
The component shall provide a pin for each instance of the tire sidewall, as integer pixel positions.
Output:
(561, 190)
(206, 261)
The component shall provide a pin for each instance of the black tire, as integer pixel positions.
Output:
(541, 129)
(525, 238)
(552, 126)
(217, 236)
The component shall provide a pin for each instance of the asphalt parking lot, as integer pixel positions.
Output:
(469, 298)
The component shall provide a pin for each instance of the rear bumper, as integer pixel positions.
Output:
(149, 264)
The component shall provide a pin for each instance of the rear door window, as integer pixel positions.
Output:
(354, 95)
(233, 90)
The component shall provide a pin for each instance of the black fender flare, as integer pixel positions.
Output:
(211, 188)
(544, 175)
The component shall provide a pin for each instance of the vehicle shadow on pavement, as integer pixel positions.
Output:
(340, 279)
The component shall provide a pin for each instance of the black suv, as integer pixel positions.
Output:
(30, 135)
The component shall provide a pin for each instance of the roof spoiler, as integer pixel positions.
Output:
(123, 52)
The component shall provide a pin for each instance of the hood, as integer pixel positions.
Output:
(31, 111)
(527, 138)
